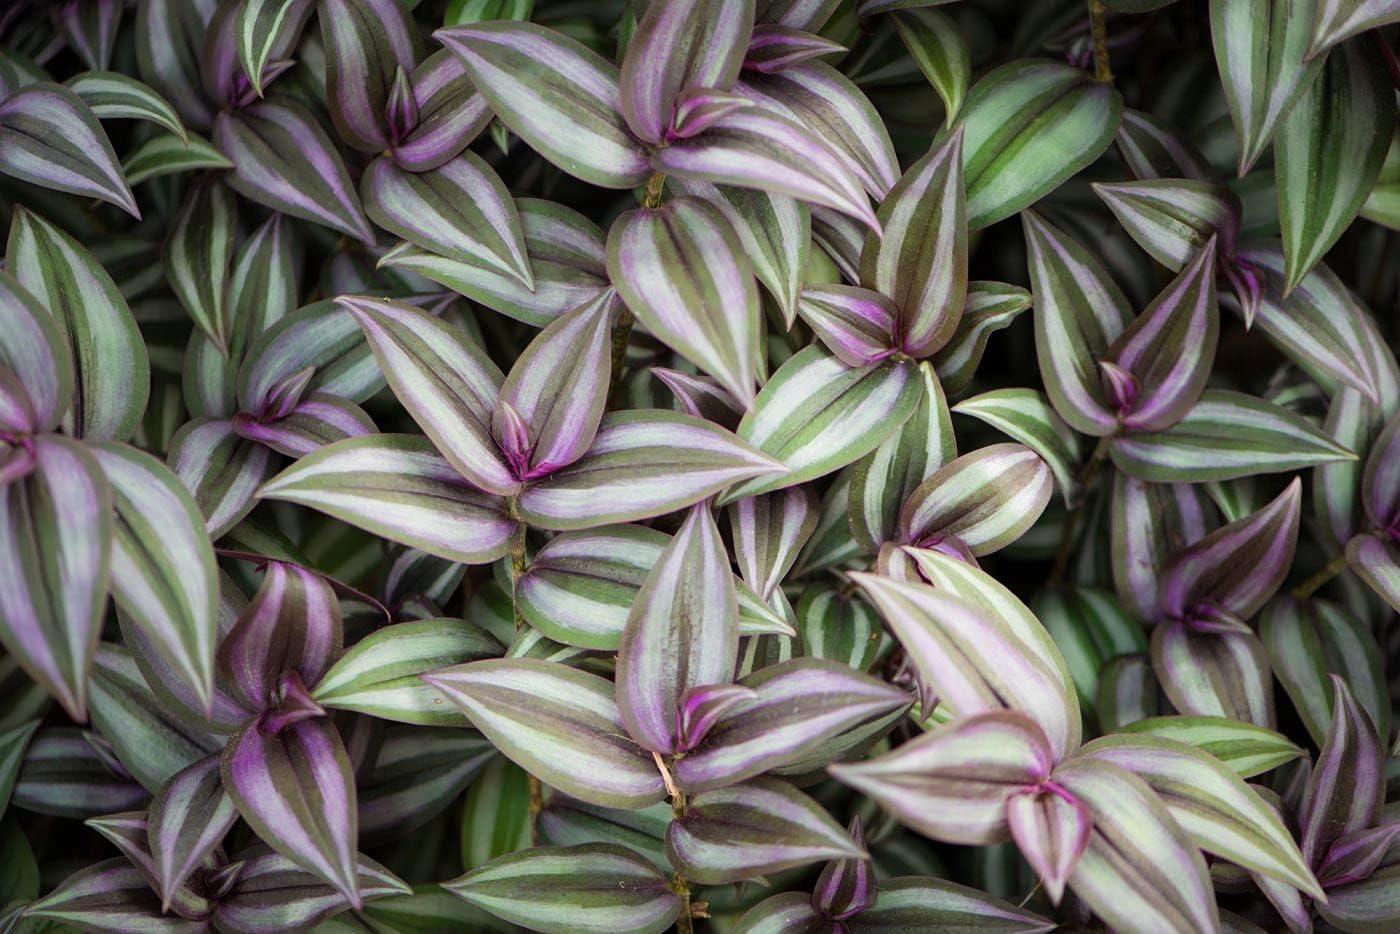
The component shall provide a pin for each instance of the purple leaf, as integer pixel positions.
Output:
(224, 494)
(187, 820)
(445, 381)
(678, 46)
(269, 892)
(680, 269)
(846, 887)
(297, 792)
(701, 397)
(758, 148)
(682, 633)
(1356, 855)
(90, 30)
(1151, 522)
(643, 463)
(1173, 219)
(1347, 785)
(762, 826)
(108, 896)
(558, 723)
(35, 353)
(284, 160)
(1214, 668)
(701, 707)
(768, 531)
(1235, 569)
(985, 500)
(1051, 829)
(557, 95)
(56, 528)
(448, 112)
(559, 385)
(857, 325)
(772, 48)
(921, 260)
(1168, 350)
(365, 41)
(50, 137)
(1380, 483)
(953, 784)
(292, 624)
(1376, 560)
(460, 210)
(800, 705)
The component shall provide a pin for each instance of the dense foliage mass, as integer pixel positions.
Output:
(766, 466)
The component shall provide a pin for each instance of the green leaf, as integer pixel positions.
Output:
(496, 816)
(168, 154)
(198, 256)
(597, 887)
(816, 415)
(939, 50)
(1245, 749)
(1330, 150)
(378, 676)
(1226, 435)
(264, 30)
(1029, 126)
(990, 307)
(1026, 416)
(111, 367)
(112, 95)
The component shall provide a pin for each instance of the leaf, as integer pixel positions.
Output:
(112, 95)
(1260, 47)
(263, 29)
(49, 137)
(882, 480)
(1026, 416)
(366, 42)
(64, 775)
(1153, 150)
(757, 147)
(941, 53)
(800, 705)
(445, 381)
(71, 284)
(560, 97)
(1245, 749)
(689, 44)
(682, 633)
(1234, 570)
(292, 624)
(557, 723)
(566, 822)
(460, 210)
(111, 895)
(578, 588)
(816, 415)
(1331, 146)
(319, 348)
(1319, 325)
(990, 307)
(1377, 562)
(1340, 19)
(1212, 804)
(163, 572)
(567, 257)
(855, 324)
(418, 772)
(643, 463)
(921, 902)
(1214, 672)
(978, 647)
(198, 255)
(90, 30)
(221, 470)
(1051, 831)
(1150, 523)
(55, 551)
(1225, 436)
(167, 154)
(921, 260)
(773, 232)
(1080, 312)
(953, 784)
(379, 675)
(297, 792)
(1028, 126)
(983, 501)
(1139, 869)
(35, 354)
(768, 531)
(285, 161)
(13, 743)
(496, 813)
(150, 741)
(271, 893)
(680, 270)
(774, 48)
(595, 887)
(1346, 787)
(1173, 219)
(187, 820)
(169, 44)
(760, 827)
(450, 113)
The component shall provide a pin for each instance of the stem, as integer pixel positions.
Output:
(1030, 895)
(1098, 25)
(1071, 526)
(536, 805)
(1310, 586)
(517, 561)
(622, 332)
(685, 923)
(653, 195)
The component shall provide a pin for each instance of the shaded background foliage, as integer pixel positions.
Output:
(750, 465)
